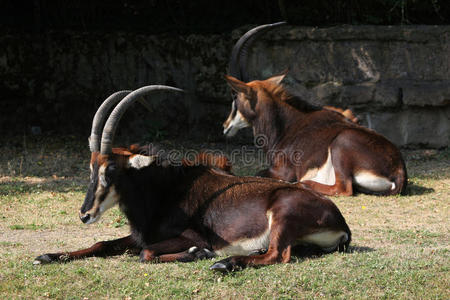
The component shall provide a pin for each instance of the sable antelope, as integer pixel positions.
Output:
(238, 63)
(318, 147)
(181, 213)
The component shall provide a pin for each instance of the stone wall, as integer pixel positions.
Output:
(395, 78)
(56, 81)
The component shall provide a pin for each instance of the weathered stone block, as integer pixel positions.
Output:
(414, 127)
(427, 94)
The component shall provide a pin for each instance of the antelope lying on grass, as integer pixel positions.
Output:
(318, 147)
(182, 213)
(238, 62)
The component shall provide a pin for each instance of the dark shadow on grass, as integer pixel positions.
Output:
(414, 189)
(311, 251)
(300, 253)
(19, 186)
(360, 249)
(411, 190)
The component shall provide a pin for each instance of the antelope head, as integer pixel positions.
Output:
(249, 99)
(108, 164)
(238, 70)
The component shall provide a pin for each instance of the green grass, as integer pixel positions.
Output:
(400, 247)
(27, 226)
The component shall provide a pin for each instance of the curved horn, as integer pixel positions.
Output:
(239, 54)
(100, 117)
(119, 110)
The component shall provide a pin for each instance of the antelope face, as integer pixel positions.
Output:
(101, 194)
(244, 109)
(234, 122)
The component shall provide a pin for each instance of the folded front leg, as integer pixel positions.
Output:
(234, 263)
(184, 247)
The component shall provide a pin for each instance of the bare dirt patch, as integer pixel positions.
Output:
(38, 242)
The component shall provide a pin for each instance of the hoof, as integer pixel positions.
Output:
(258, 252)
(146, 256)
(201, 253)
(223, 266)
(142, 258)
(45, 259)
(193, 250)
(205, 254)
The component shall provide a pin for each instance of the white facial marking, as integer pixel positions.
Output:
(141, 161)
(237, 123)
(324, 175)
(101, 175)
(373, 182)
(327, 240)
(247, 246)
(111, 199)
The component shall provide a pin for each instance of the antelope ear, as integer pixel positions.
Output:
(139, 161)
(238, 86)
(278, 78)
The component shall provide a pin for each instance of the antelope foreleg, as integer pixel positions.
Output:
(100, 249)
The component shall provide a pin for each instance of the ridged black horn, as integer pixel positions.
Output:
(114, 118)
(100, 117)
(238, 62)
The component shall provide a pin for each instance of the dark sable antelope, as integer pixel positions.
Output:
(238, 65)
(181, 213)
(316, 146)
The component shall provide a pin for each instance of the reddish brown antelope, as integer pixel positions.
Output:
(239, 57)
(316, 146)
(182, 213)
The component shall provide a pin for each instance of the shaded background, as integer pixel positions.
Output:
(203, 16)
(57, 66)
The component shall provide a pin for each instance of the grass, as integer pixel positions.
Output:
(400, 245)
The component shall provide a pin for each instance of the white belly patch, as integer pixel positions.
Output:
(324, 175)
(327, 240)
(247, 246)
(373, 182)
